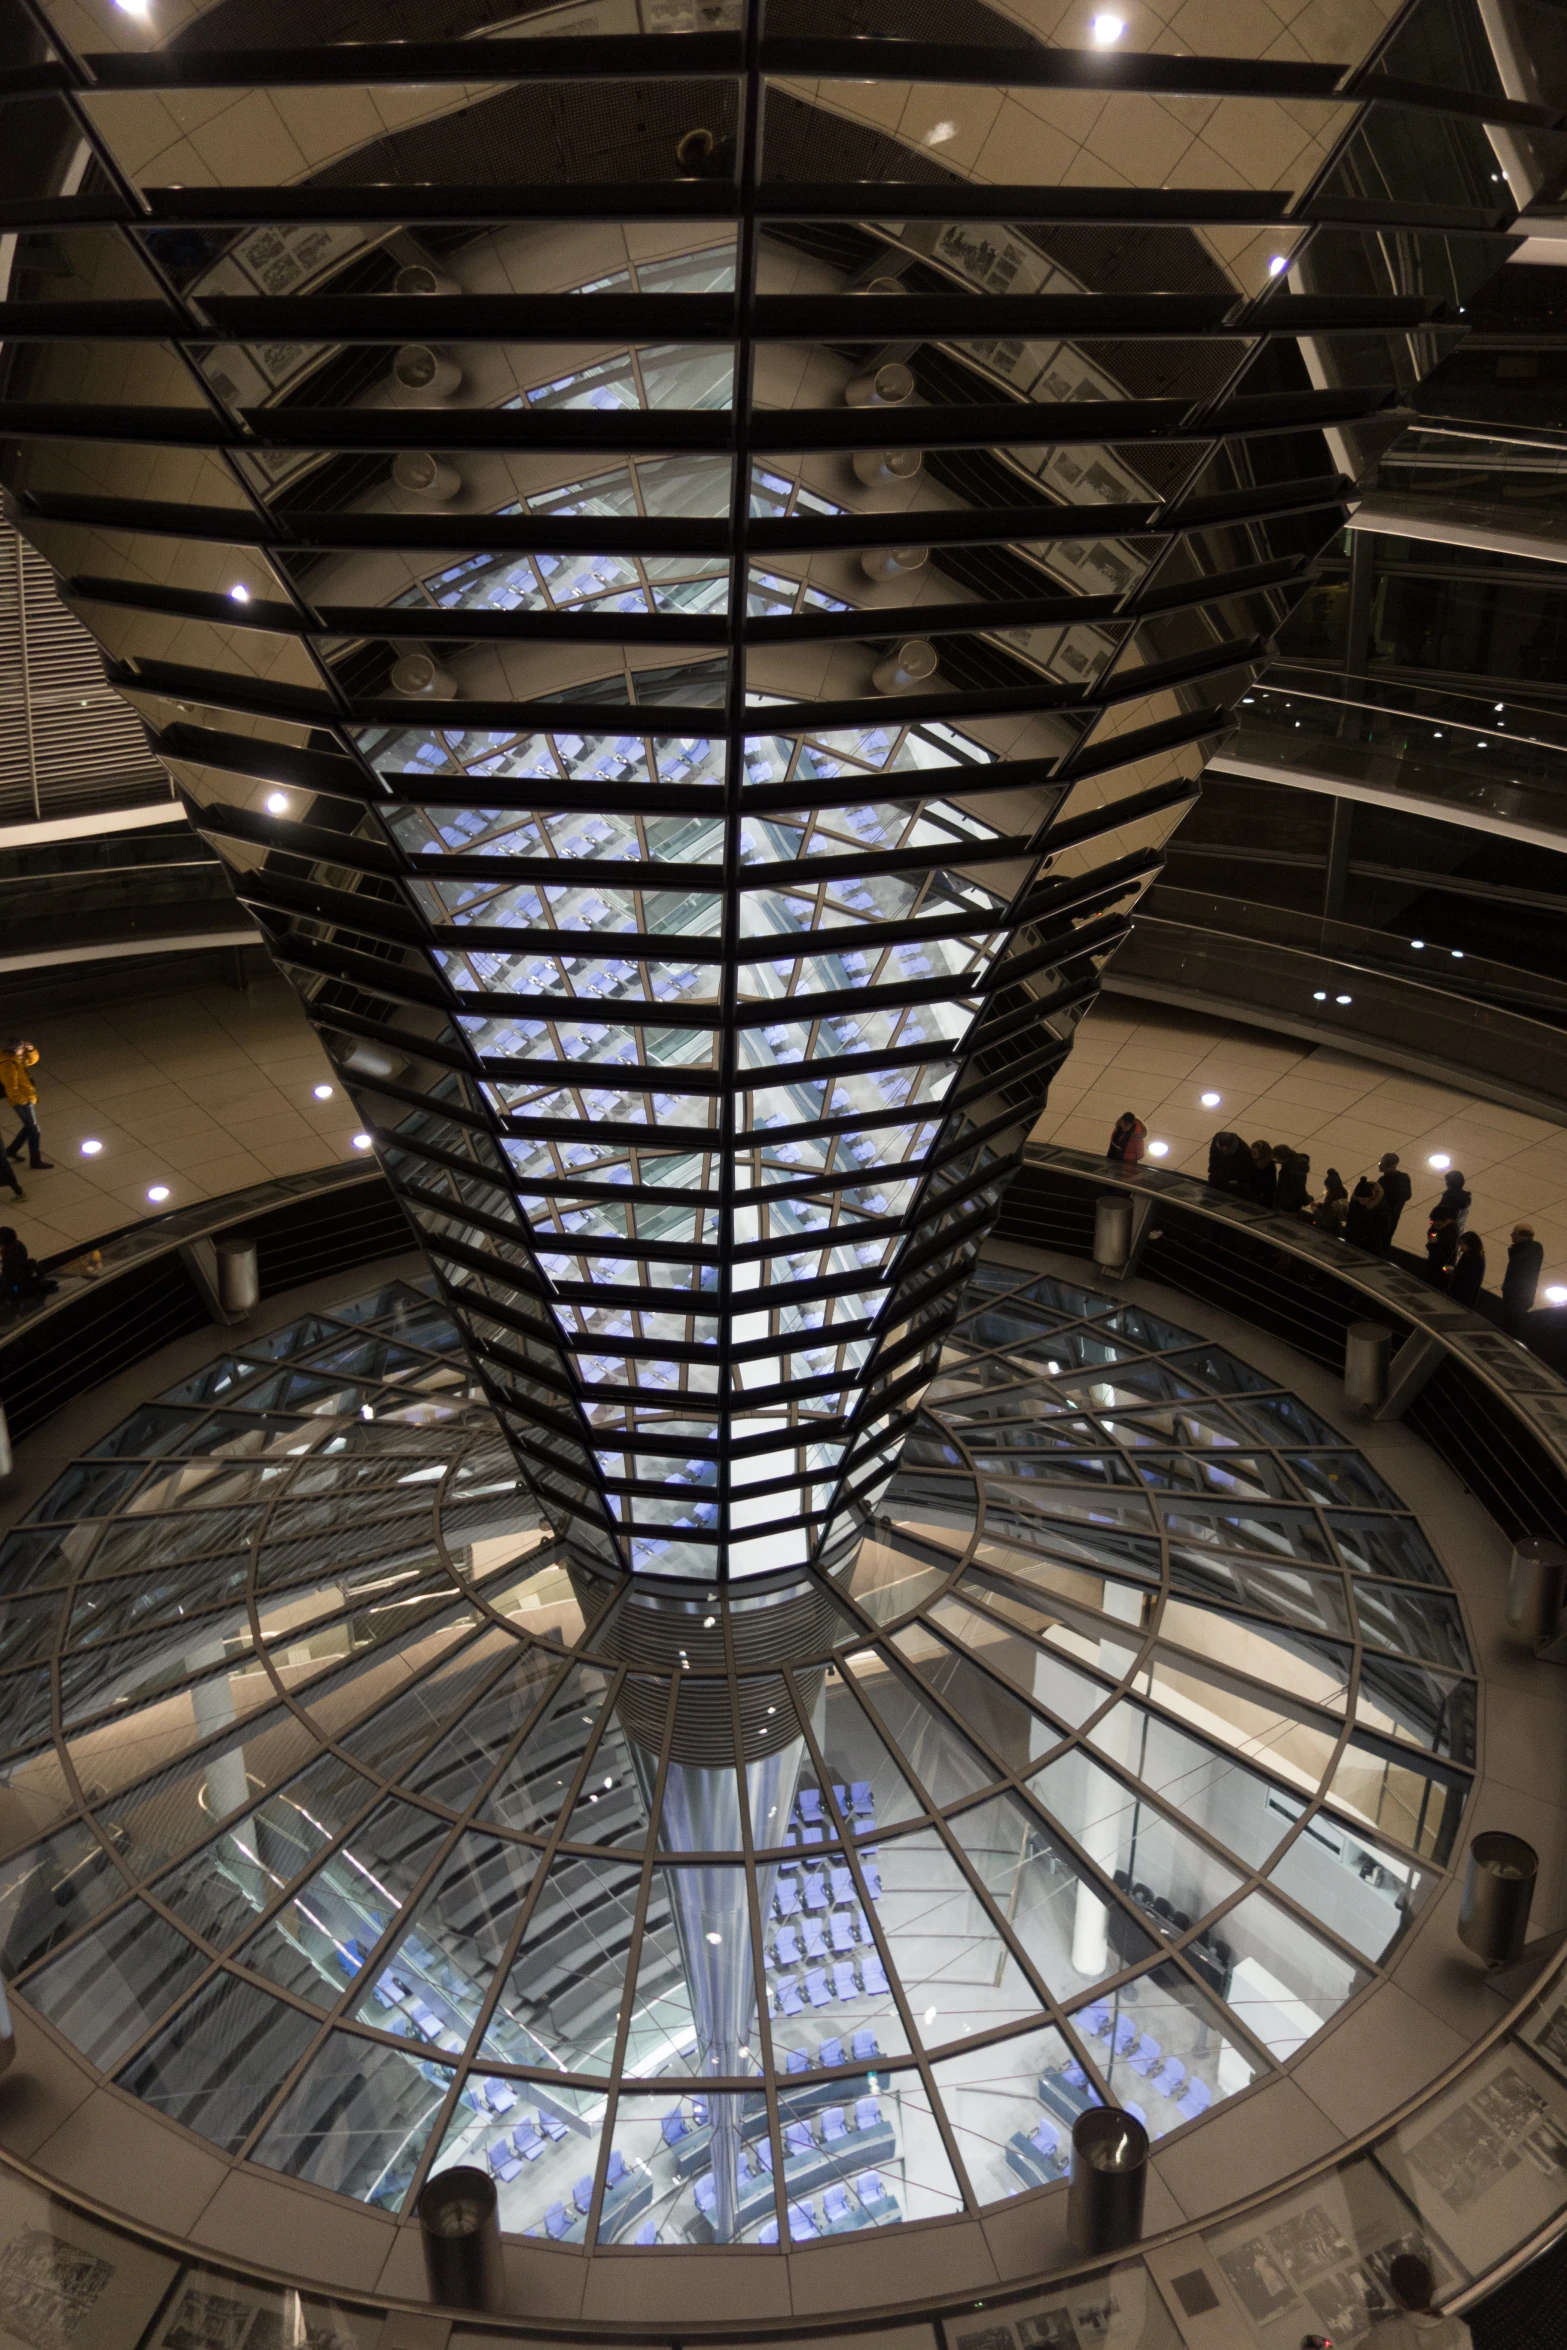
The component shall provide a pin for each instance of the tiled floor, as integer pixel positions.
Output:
(1342, 1111)
(203, 1092)
(207, 1091)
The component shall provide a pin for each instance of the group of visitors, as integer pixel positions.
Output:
(1367, 1215)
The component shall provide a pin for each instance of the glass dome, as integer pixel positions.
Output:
(360, 1828)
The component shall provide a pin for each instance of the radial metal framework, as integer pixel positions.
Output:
(790, 511)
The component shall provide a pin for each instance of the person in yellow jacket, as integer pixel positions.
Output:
(18, 1060)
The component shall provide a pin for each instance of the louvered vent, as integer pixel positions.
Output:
(68, 744)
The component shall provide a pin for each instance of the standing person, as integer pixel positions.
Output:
(1263, 1180)
(1329, 1212)
(1229, 1162)
(1364, 1222)
(21, 1281)
(1525, 1263)
(1126, 1142)
(8, 1174)
(1448, 1216)
(1412, 2323)
(1396, 1188)
(1467, 1278)
(1293, 1189)
(18, 1059)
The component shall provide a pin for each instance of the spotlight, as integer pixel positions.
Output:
(1107, 29)
(158, 1193)
(715, 1937)
(239, 595)
(1278, 265)
(91, 1149)
(361, 1142)
(1440, 1160)
(1211, 1101)
(1158, 1150)
(1556, 1295)
(323, 1093)
(1319, 995)
(277, 803)
(1343, 999)
(1417, 943)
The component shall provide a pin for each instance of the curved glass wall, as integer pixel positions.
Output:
(688, 583)
(357, 1826)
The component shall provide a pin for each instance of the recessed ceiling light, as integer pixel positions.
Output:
(1343, 999)
(1440, 1160)
(715, 1937)
(1107, 29)
(1278, 265)
(1211, 1101)
(91, 1148)
(1158, 1150)
(939, 133)
(158, 1193)
(1417, 942)
(1556, 1295)
(323, 1093)
(277, 803)
(239, 594)
(1319, 995)
(361, 1142)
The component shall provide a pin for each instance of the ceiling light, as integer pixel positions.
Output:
(1343, 999)
(323, 1093)
(1211, 1101)
(91, 1148)
(1499, 706)
(1319, 995)
(715, 1938)
(137, 8)
(158, 1193)
(239, 594)
(367, 1411)
(277, 803)
(1278, 265)
(939, 133)
(1417, 942)
(1158, 1150)
(1556, 1296)
(708, 1622)
(1107, 29)
(361, 1142)
(1440, 1160)
(1457, 954)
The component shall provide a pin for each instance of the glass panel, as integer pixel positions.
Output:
(940, 1756)
(1170, 1879)
(1043, 1894)
(876, 1792)
(356, 2120)
(434, 1981)
(49, 1891)
(1284, 1984)
(219, 2065)
(1167, 2052)
(1360, 1891)
(539, 2141)
(106, 1990)
(1010, 2107)
(957, 1971)
(702, 2168)
(561, 2002)
(535, 1783)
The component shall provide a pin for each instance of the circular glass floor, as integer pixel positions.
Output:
(354, 1827)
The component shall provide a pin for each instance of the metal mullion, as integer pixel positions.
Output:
(769, 2069)
(616, 2069)
(920, 2062)
(462, 2064)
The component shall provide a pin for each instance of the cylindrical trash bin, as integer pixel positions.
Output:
(1493, 1918)
(461, 2229)
(1535, 1589)
(1104, 2199)
(1368, 1354)
(885, 387)
(913, 663)
(893, 562)
(1112, 1231)
(427, 479)
(881, 469)
(420, 374)
(422, 679)
(239, 1275)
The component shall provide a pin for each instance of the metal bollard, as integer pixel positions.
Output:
(461, 2230)
(1493, 1918)
(420, 374)
(239, 1275)
(417, 676)
(1104, 2198)
(1535, 1588)
(1368, 1354)
(1112, 1231)
(427, 478)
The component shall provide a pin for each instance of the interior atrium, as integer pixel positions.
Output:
(674, 1666)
